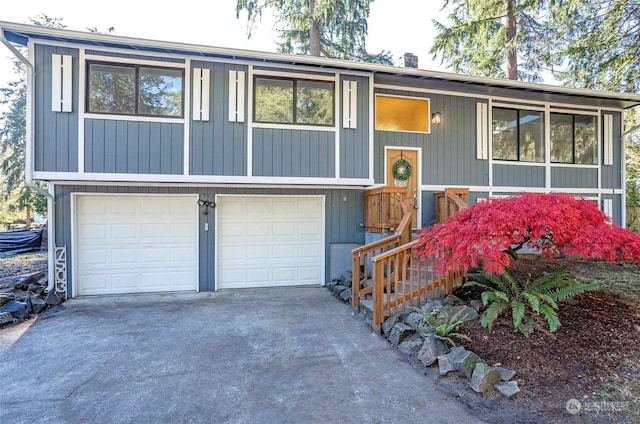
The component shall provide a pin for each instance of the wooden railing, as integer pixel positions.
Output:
(402, 280)
(382, 208)
(450, 201)
(363, 256)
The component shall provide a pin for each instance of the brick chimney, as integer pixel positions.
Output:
(409, 60)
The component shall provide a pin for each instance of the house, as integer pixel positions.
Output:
(185, 167)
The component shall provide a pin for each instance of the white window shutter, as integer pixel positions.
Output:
(482, 123)
(61, 83)
(608, 139)
(201, 87)
(608, 207)
(236, 96)
(349, 104)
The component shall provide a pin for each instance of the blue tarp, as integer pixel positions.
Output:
(14, 242)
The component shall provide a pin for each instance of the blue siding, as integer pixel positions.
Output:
(133, 147)
(518, 176)
(218, 147)
(344, 211)
(574, 177)
(448, 152)
(293, 153)
(56, 133)
(354, 143)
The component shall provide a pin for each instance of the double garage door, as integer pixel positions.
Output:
(149, 243)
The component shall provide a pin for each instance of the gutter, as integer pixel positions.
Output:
(28, 166)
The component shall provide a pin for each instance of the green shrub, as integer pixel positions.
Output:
(440, 324)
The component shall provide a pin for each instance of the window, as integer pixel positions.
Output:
(518, 135)
(402, 114)
(124, 89)
(573, 139)
(293, 101)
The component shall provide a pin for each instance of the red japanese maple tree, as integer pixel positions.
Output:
(489, 233)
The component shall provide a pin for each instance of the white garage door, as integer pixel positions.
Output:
(270, 241)
(135, 243)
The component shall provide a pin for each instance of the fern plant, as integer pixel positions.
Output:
(529, 301)
(440, 324)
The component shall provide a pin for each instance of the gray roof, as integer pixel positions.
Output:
(21, 33)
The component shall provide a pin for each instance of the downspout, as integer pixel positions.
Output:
(28, 166)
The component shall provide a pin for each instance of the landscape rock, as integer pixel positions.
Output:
(505, 374)
(6, 317)
(411, 345)
(339, 288)
(484, 377)
(432, 306)
(465, 363)
(22, 282)
(346, 279)
(466, 313)
(399, 332)
(35, 288)
(53, 298)
(331, 284)
(445, 362)
(17, 309)
(507, 388)
(432, 347)
(452, 300)
(44, 281)
(388, 324)
(477, 304)
(4, 299)
(413, 319)
(38, 305)
(346, 295)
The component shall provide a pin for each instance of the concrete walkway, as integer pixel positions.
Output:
(240, 356)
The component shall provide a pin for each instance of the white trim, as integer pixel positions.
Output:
(518, 163)
(623, 179)
(349, 104)
(74, 241)
(418, 177)
(67, 83)
(329, 76)
(240, 96)
(573, 165)
(482, 128)
(56, 82)
(607, 130)
(81, 108)
(547, 147)
(197, 94)
(135, 118)
(294, 127)
(490, 140)
(607, 208)
(250, 121)
(323, 240)
(511, 189)
(591, 112)
(186, 101)
(51, 232)
(29, 148)
(521, 106)
(212, 185)
(131, 61)
(186, 179)
(371, 128)
(336, 124)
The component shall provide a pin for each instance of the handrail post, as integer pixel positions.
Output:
(355, 281)
(378, 293)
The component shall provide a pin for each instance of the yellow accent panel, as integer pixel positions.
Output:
(402, 114)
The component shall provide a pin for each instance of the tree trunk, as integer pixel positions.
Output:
(28, 218)
(314, 31)
(510, 41)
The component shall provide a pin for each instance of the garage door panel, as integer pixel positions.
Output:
(137, 243)
(271, 242)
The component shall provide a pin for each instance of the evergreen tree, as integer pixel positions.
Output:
(330, 28)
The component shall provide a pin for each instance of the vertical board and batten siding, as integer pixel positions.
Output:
(429, 205)
(344, 211)
(293, 153)
(125, 147)
(354, 143)
(611, 174)
(56, 133)
(218, 147)
(617, 207)
(574, 177)
(448, 152)
(518, 176)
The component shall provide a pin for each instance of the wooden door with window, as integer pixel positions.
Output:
(411, 183)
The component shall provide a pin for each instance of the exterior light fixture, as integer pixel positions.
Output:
(436, 118)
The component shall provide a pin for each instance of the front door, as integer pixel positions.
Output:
(411, 183)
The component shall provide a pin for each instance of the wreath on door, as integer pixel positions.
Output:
(402, 169)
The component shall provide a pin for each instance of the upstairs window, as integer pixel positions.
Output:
(293, 101)
(518, 135)
(405, 114)
(574, 139)
(123, 89)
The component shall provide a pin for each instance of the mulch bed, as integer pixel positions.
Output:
(599, 330)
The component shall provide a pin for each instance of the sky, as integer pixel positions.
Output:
(398, 26)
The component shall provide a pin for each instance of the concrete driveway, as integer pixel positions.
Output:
(240, 356)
